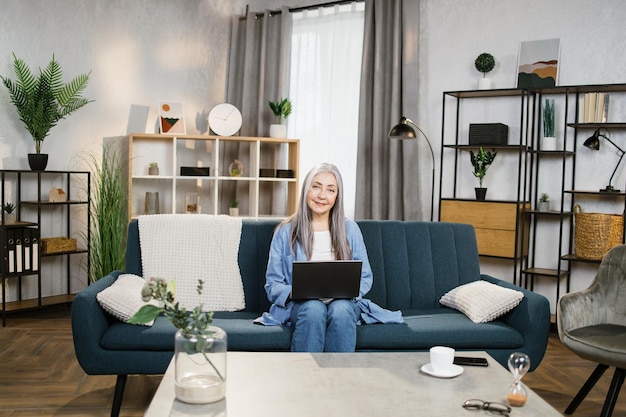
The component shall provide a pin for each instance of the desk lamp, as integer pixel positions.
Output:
(403, 131)
(594, 143)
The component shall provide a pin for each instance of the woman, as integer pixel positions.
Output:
(317, 231)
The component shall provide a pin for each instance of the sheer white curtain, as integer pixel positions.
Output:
(326, 50)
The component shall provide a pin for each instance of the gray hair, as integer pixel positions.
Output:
(300, 221)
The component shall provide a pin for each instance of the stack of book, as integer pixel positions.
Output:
(595, 108)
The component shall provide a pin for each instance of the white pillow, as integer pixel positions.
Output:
(482, 301)
(123, 298)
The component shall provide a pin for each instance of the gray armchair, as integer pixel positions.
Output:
(592, 323)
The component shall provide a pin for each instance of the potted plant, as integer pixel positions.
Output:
(41, 101)
(484, 63)
(233, 210)
(9, 209)
(544, 202)
(200, 348)
(153, 169)
(481, 162)
(549, 140)
(281, 109)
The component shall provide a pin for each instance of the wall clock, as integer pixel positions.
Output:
(225, 119)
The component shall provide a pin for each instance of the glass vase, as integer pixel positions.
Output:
(200, 366)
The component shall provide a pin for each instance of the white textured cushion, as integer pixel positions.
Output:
(482, 301)
(123, 298)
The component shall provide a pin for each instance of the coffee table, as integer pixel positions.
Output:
(273, 384)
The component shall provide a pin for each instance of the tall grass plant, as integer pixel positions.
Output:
(109, 213)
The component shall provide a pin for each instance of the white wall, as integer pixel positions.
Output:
(140, 51)
(454, 32)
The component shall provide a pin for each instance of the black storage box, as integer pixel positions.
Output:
(285, 173)
(267, 173)
(488, 134)
(195, 171)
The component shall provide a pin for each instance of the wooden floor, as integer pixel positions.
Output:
(39, 375)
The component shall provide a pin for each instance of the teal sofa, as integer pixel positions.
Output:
(414, 264)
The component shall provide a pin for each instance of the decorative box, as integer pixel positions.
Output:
(285, 173)
(195, 171)
(488, 134)
(57, 244)
(267, 173)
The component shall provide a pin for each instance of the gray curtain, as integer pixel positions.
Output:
(258, 72)
(387, 170)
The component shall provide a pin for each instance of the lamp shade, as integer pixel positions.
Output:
(594, 141)
(402, 130)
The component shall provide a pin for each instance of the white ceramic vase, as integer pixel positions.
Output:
(278, 131)
(548, 143)
(484, 83)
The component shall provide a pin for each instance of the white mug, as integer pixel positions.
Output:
(441, 358)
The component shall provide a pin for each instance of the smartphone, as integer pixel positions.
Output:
(466, 360)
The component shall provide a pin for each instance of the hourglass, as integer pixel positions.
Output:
(519, 363)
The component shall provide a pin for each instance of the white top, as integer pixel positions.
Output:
(322, 247)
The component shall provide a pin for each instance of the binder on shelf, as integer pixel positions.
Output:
(26, 248)
(11, 251)
(34, 239)
(19, 260)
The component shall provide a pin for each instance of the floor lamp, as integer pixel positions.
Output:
(403, 131)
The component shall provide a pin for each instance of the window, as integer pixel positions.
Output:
(326, 49)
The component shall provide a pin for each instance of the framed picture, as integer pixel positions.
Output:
(538, 63)
(171, 117)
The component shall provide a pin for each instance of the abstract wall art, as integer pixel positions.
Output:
(538, 63)
(171, 117)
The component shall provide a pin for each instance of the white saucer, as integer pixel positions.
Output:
(455, 370)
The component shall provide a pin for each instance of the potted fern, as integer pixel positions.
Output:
(281, 109)
(42, 100)
(481, 162)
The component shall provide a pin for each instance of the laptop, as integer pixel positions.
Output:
(326, 279)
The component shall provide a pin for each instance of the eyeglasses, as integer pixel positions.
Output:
(493, 408)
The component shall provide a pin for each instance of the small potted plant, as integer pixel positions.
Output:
(549, 140)
(233, 210)
(153, 169)
(544, 202)
(9, 209)
(484, 63)
(281, 109)
(43, 100)
(481, 162)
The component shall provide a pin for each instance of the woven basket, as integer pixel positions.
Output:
(596, 233)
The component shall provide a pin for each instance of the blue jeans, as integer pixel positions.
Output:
(324, 328)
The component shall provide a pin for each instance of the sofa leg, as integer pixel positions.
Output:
(591, 381)
(119, 395)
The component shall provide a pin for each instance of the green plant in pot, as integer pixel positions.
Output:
(9, 209)
(484, 63)
(42, 100)
(544, 202)
(549, 140)
(281, 109)
(481, 161)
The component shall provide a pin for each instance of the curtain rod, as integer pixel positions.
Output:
(303, 8)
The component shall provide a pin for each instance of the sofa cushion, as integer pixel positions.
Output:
(242, 334)
(123, 299)
(482, 301)
(424, 329)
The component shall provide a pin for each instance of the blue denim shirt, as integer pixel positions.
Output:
(279, 274)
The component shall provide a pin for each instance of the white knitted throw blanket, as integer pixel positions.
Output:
(188, 247)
